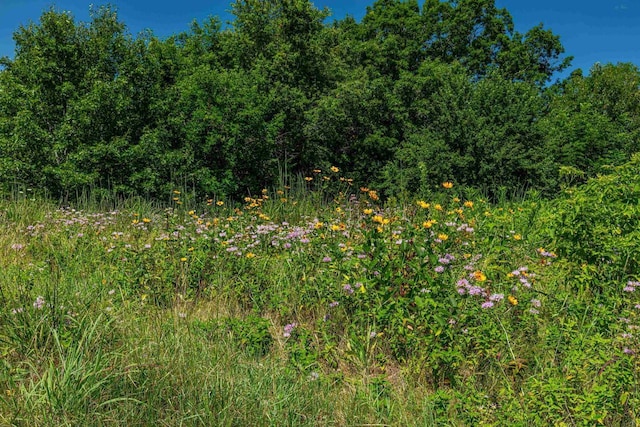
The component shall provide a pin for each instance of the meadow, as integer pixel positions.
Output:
(317, 303)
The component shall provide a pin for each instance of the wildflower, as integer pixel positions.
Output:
(479, 276)
(487, 304)
(326, 259)
(475, 290)
(334, 169)
(318, 225)
(219, 203)
(423, 204)
(184, 259)
(347, 288)
(536, 302)
(288, 329)
(517, 237)
(438, 207)
(317, 171)
(447, 184)
(334, 304)
(439, 269)
(627, 351)
(146, 220)
(367, 211)
(308, 178)
(373, 195)
(468, 204)
(429, 224)
(250, 255)
(512, 300)
(39, 302)
(443, 236)
(496, 297)
(313, 376)
(17, 246)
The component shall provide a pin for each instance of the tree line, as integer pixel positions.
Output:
(410, 96)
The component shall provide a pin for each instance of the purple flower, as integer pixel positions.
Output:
(326, 259)
(288, 329)
(487, 304)
(462, 283)
(347, 288)
(496, 297)
(439, 269)
(535, 302)
(476, 290)
(39, 302)
(627, 350)
(334, 304)
(533, 311)
(373, 334)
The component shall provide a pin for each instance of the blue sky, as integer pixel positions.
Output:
(591, 30)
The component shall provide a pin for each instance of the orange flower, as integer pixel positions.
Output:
(447, 184)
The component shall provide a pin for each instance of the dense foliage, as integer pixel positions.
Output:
(445, 311)
(408, 97)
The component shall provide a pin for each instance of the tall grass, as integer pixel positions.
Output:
(309, 304)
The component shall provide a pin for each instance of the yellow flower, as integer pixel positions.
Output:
(423, 204)
(192, 212)
(378, 219)
(479, 276)
(468, 204)
(176, 192)
(517, 237)
(438, 207)
(442, 236)
(334, 169)
(373, 194)
(429, 224)
(368, 211)
(318, 225)
(251, 255)
(512, 300)
(456, 199)
(447, 184)
(183, 259)
(308, 178)
(219, 203)
(146, 220)
(335, 227)
(317, 171)
(191, 249)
